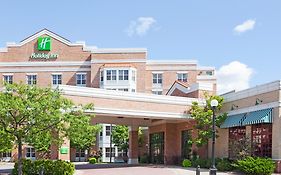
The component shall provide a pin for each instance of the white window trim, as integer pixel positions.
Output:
(8, 74)
(31, 73)
(53, 77)
(182, 72)
(81, 73)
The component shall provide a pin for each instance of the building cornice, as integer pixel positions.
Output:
(45, 64)
(171, 61)
(98, 61)
(119, 50)
(260, 89)
(43, 69)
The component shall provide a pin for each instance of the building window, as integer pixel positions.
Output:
(236, 136)
(8, 79)
(158, 92)
(182, 77)
(133, 90)
(209, 73)
(107, 152)
(262, 140)
(133, 75)
(6, 154)
(123, 89)
(101, 76)
(56, 79)
(31, 79)
(123, 74)
(81, 79)
(157, 78)
(107, 130)
(30, 153)
(111, 75)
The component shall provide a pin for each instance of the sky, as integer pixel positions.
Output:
(240, 38)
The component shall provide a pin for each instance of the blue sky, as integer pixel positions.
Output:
(179, 29)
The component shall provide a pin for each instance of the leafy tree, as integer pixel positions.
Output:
(120, 137)
(35, 116)
(203, 116)
(82, 134)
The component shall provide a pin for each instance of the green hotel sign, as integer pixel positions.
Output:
(44, 43)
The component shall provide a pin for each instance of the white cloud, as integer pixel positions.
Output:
(140, 26)
(245, 26)
(233, 76)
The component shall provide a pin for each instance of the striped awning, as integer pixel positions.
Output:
(233, 121)
(255, 117)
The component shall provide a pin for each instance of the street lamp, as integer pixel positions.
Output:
(213, 169)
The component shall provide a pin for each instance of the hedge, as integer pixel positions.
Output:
(50, 167)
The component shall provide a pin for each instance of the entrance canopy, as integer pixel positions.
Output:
(131, 108)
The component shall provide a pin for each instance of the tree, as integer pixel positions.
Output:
(203, 117)
(82, 134)
(120, 137)
(35, 116)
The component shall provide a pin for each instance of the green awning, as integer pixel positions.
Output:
(255, 117)
(233, 121)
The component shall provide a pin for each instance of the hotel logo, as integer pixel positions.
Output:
(44, 43)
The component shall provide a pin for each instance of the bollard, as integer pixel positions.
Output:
(198, 170)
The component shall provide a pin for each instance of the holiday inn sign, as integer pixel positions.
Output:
(44, 44)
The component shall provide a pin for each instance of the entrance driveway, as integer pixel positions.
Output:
(138, 170)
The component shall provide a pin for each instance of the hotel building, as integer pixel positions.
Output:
(128, 88)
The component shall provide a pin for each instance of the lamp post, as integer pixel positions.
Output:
(213, 169)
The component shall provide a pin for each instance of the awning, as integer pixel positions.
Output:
(233, 121)
(261, 116)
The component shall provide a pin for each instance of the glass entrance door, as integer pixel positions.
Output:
(186, 144)
(156, 141)
(80, 156)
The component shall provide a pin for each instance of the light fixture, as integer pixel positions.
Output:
(214, 103)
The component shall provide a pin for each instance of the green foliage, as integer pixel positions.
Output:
(6, 141)
(39, 117)
(57, 167)
(93, 160)
(186, 163)
(203, 117)
(120, 137)
(224, 165)
(255, 166)
(82, 133)
(203, 163)
(242, 148)
(144, 159)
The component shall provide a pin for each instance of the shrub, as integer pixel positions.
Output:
(93, 160)
(203, 163)
(50, 167)
(255, 166)
(144, 159)
(224, 165)
(186, 163)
